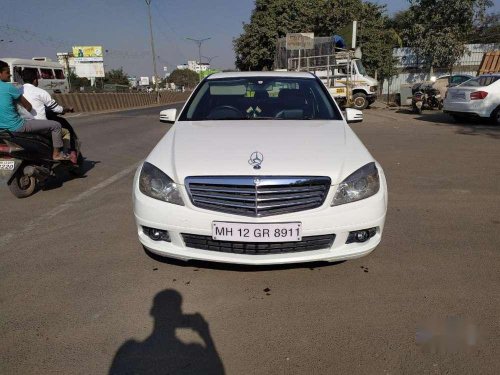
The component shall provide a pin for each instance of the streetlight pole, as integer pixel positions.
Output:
(148, 2)
(199, 42)
(209, 58)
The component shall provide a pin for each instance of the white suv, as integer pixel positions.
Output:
(260, 168)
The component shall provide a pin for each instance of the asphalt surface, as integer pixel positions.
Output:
(79, 295)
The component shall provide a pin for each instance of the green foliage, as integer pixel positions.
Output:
(184, 77)
(77, 82)
(116, 76)
(438, 30)
(273, 19)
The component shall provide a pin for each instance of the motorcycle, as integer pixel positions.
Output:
(425, 96)
(26, 161)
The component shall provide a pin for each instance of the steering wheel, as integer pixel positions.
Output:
(222, 108)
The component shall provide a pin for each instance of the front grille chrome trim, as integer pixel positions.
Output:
(257, 196)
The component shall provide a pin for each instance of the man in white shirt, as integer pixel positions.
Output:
(39, 98)
(44, 107)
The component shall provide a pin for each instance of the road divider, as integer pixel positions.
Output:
(92, 102)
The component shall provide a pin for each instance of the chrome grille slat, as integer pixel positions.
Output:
(257, 195)
(286, 204)
(223, 203)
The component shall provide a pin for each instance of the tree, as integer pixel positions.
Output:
(437, 30)
(272, 19)
(116, 76)
(77, 82)
(487, 30)
(184, 77)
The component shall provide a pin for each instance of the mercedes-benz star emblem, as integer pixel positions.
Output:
(256, 159)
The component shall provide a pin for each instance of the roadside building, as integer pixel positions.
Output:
(195, 66)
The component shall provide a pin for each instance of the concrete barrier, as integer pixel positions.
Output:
(91, 102)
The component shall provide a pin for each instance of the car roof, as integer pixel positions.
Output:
(261, 74)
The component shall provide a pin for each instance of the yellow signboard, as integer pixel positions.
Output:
(88, 53)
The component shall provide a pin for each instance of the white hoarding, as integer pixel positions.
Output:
(89, 70)
(144, 81)
(296, 41)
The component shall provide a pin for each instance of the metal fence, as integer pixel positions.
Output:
(412, 71)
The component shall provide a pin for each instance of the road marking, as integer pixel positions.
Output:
(68, 204)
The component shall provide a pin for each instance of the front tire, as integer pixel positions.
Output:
(359, 101)
(22, 186)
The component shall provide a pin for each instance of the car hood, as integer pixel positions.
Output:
(289, 148)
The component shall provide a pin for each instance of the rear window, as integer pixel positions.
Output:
(59, 73)
(46, 73)
(481, 81)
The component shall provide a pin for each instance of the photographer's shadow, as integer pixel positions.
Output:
(162, 352)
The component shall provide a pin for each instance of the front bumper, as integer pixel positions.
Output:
(188, 219)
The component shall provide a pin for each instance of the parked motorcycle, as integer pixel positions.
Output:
(26, 161)
(425, 96)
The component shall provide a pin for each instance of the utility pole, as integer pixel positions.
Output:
(148, 2)
(199, 42)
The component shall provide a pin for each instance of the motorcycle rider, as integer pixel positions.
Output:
(44, 107)
(12, 121)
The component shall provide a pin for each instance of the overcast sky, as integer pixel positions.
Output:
(42, 28)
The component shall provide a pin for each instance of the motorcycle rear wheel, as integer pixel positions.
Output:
(22, 186)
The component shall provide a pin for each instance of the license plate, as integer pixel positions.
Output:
(253, 232)
(458, 95)
(7, 165)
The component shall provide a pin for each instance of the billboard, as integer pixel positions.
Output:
(89, 69)
(144, 81)
(296, 41)
(88, 53)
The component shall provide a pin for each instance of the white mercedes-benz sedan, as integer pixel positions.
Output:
(260, 168)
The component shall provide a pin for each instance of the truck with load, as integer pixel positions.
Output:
(340, 69)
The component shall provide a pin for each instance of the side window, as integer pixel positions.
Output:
(35, 70)
(17, 74)
(46, 73)
(59, 73)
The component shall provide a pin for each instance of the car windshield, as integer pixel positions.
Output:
(480, 81)
(259, 98)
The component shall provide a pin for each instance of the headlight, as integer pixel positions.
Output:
(156, 184)
(373, 88)
(361, 184)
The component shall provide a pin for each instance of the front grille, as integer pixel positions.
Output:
(259, 248)
(258, 196)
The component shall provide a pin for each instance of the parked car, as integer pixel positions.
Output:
(260, 168)
(446, 81)
(478, 97)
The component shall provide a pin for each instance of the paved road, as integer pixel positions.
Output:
(77, 290)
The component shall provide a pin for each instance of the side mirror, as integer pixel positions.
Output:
(168, 115)
(353, 115)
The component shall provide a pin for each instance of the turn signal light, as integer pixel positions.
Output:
(478, 95)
